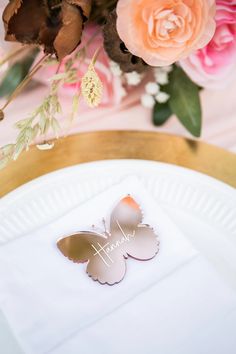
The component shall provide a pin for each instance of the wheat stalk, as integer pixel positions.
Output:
(91, 85)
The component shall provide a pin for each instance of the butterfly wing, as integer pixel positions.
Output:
(127, 212)
(92, 248)
(79, 247)
(109, 270)
(140, 241)
(144, 245)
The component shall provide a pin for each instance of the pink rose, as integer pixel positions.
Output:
(164, 31)
(112, 85)
(212, 66)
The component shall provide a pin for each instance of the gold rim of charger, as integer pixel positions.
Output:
(103, 145)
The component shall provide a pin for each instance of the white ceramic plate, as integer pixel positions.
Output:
(202, 207)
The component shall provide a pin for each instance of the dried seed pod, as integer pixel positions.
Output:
(101, 9)
(117, 50)
(57, 25)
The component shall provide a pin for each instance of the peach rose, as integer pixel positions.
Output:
(165, 31)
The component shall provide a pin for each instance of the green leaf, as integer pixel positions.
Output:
(161, 113)
(185, 101)
(16, 73)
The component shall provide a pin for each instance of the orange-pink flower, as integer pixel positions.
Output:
(164, 31)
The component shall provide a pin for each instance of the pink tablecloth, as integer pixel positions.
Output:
(219, 117)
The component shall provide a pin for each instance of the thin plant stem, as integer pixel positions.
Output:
(58, 67)
(95, 56)
(87, 44)
(13, 54)
(26, 80)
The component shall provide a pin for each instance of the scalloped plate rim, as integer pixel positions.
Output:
(37, 182)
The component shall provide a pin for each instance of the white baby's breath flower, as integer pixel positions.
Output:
(157, 71)
(147, 101)
(152, 88)
(115, 68)
(162, 97)
(133, 78)
(168, 68)
(161, 77)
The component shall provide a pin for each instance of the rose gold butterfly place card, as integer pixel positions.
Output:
(106, 252)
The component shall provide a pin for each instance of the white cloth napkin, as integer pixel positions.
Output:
(164, 304)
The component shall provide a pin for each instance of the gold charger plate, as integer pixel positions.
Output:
(86, 147)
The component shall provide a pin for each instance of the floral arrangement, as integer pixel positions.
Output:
(97, 50)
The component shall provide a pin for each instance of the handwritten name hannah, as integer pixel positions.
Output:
(104, 251)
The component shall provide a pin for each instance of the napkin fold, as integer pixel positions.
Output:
(188, 312)
(51, 303)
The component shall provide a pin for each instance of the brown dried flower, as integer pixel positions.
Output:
(117, 50)
(101, 9)
(55, 24)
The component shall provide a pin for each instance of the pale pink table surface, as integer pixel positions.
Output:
(219, 117)
(219, 114)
